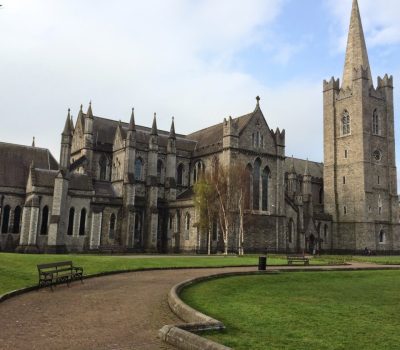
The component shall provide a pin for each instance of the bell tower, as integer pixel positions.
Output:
(360, 181)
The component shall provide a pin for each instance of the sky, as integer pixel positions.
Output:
(197, 60)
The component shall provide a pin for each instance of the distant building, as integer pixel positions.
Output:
(124, 187)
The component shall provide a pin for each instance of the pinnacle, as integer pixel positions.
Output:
(172, 130)
(356, 51)
(67, 127)
(306, 170)
(89, 113)
(154, 127)
(132, 126)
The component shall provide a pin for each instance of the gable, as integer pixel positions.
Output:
(256, 134)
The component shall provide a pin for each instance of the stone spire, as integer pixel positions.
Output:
(356, 52)
(154, 127)
(172, 131)
(306, 170)
(67, 127)
(292, 168)
(89, 113)
(132, 126)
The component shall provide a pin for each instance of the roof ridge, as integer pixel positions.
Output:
(26, 146)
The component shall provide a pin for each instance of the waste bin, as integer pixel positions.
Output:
(262, 263)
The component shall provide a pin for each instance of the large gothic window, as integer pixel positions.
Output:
(45, 220)
(346, 123)
(17, 219)
(71, 217)
(265, 183)
(256, 184)
(6, 219)
(179, 175)
(375, 123)
(82, 223)
(138, 169)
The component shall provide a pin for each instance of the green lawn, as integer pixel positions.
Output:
(19, 270)
(304, 310)
(382, 260)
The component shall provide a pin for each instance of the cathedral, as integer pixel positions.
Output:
(122, 187)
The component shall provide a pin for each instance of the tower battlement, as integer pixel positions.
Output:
(386, 81)
(332, 84)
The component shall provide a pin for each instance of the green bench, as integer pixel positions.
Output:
(58, 272)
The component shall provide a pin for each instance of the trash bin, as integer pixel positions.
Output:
(262, 263)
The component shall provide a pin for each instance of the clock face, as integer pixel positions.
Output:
(377, 155)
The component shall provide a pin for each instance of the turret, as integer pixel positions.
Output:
(230, 133)
(88, 137)
(130, 151)
(307, 191)
(292, 179)
(170, 181)
(66, 141)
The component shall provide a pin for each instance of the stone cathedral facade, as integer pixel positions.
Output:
(122, 187)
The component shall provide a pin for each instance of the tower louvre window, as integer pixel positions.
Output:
(346, 123)
(344, 180)
(344, 210)
(346, 153)
(375, 123)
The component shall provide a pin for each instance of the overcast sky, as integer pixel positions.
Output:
(199, 61)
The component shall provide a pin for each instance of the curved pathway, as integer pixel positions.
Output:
(123, 311)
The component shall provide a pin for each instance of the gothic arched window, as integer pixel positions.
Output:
(138, 169)
(381, 236)
(198, 171)
(179, 175)
(160, 171)
(111, 230)
(290, 231)
(71, 217)
(248, 186)
(6, 219)
(103, 167)
(187, 225)
(256, 184)
(265, 184)
(17, 219)
(375, 123)
(82, 223)
(45, 220)
(346, 123)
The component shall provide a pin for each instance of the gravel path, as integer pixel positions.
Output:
(121, 312)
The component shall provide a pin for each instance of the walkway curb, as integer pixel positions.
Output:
(183, 336)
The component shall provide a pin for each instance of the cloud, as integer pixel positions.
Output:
(173, 57)
(381, 21)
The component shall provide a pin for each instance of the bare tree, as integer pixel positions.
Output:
(222, 193)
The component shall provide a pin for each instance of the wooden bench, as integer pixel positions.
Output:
(58, 272)
(298, 258)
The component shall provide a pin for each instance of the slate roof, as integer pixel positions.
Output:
(104, 189)
(214, 134)
(15, 161)
(316, 169)
(44, 177)
(80, 182)
(104, 132)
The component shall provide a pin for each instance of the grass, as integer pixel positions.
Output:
(19, 270)
(381, 260)
(303, 310)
